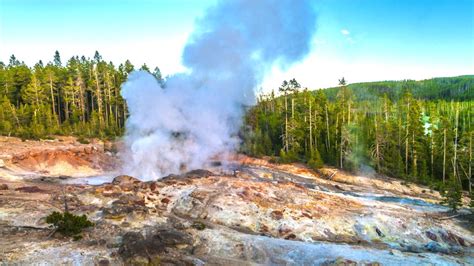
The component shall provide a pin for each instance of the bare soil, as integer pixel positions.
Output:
(63, 156)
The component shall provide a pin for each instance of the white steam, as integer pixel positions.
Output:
(198, 114)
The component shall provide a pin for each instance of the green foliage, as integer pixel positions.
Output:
(452, 195)
(198, 225)
(81, 98)
(287, 157)
(456, 88)
(405, 136)
(68, 224)
(83, 140)
(315, 161)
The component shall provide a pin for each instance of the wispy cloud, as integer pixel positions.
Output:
(348, 36)
(345, 32)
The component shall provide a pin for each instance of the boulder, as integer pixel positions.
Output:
(198, 173)
(379, 232)
(126, 204)
(340, 261)
(191, 174)
(3, 187)
(171, 237)
(452, 239)
(431, 236)
(129, 199)
(276, 215)
(413, 249)
(2, 163)
(125, 179)
(396, 252)
(103, 262)
(435, 247)
(137, 248)
(30, 189)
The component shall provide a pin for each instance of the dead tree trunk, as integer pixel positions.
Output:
(456, 124)
(377, 148)
(52, 98)
(310, 129)
(328, 142)
(470, 162)
(407, 139)
(99, 97)
(444, 156)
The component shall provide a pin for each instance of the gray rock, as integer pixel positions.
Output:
(340, 261)
(149, 249)
(379, 232)
(198, 173)
(125, 179)
(135, 245)
(103, 262)
(436, 247)
(431, 236)
(413, 249)
(396, 252)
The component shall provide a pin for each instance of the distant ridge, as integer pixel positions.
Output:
(460, 88)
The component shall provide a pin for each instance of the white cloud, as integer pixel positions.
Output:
(345, 32)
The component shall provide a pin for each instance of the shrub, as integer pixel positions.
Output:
(287, 157)
(452, 195)
(83, 140)
(68, 224)
(273, 159)
(315, 161)
(198, 225)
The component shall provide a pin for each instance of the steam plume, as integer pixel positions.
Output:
(198, 114)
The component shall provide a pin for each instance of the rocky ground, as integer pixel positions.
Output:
(250, 212)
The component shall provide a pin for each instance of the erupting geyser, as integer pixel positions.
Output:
(198, 114)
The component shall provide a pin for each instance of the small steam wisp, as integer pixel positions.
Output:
(198, 113)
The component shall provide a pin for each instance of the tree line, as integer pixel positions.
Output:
(420, 140)
(417, 130)
(80, 97)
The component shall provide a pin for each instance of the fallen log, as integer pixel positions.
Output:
(450, 217)
(331, 176)
(26, 227)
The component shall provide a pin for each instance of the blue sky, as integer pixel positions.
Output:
(363, 40)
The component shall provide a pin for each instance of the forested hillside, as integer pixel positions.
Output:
(425, 141)
(459, 88)
(79, 97)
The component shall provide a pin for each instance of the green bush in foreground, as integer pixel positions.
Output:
(68, 224)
